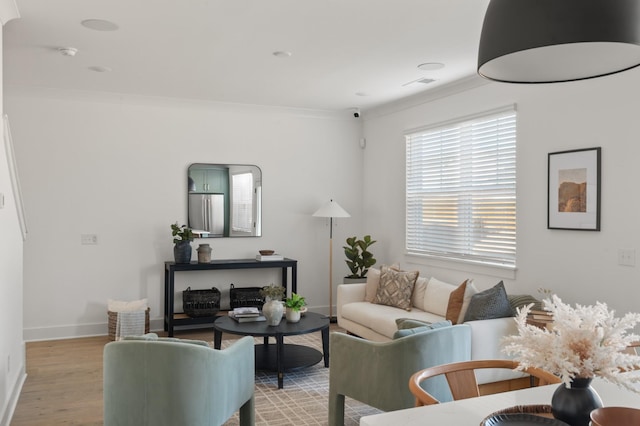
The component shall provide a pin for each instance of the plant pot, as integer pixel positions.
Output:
(573, 405)
(348, 280)
(182, 252)
(272, 311)
(292, 315)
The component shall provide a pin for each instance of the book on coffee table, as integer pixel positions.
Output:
(251, 318)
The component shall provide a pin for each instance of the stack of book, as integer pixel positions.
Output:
(266, 258)
(540, 318)
(247, 314)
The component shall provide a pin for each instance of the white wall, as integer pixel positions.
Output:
(12, 348)
(579, 266)
(116, 167)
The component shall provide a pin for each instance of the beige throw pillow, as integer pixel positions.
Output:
(373, 280)
(436, 297)
(417, 298)
(395, 288)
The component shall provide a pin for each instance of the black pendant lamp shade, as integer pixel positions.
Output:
(548, 41)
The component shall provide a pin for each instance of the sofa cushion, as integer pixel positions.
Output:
(395, 288)
(417, 298)
(382, 318)
(436, 296)
(489, 304)
(409, 331)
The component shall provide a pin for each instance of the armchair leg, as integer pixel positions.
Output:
(248, 412)
(336, 410)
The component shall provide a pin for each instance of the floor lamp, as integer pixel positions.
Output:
(331, 209)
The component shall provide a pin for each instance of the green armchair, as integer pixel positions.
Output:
(378, 374)
(151, 381)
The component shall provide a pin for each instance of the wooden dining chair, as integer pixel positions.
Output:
(462, 381)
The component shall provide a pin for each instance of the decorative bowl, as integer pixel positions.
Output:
(266, 252)
(610, 416)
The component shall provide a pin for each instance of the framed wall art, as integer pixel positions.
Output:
(574, 190)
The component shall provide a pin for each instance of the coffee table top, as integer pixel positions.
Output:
(308, 323)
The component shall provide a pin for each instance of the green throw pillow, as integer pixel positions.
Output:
(416, 329)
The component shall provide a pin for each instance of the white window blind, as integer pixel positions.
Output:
(461, 190)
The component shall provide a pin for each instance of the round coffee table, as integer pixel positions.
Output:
(280, 357)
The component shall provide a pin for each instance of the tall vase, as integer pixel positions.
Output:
(272, 311)
(573, 404)
(182, 251)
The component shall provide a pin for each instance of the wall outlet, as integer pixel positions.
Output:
(88, 239)
(627, 257)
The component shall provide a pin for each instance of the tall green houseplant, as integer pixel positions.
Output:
(359, 258)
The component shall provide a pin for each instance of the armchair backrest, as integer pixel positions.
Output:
(168, 382)
(378, 373)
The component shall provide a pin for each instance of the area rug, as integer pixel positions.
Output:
(304, 398)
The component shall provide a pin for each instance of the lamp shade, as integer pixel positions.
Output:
(331, 209)
(547, 41)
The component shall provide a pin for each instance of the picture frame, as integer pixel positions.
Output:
(573, 187)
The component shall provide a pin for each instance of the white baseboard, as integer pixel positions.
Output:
(79, 330)
(14, 396)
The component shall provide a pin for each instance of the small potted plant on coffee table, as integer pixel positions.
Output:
(294, 305)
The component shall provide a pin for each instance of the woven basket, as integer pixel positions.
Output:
(113, 321)
(245, 296)
(201, 303)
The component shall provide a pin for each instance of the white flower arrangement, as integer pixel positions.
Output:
(583, 342)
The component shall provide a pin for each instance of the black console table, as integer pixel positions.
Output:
(172, 319)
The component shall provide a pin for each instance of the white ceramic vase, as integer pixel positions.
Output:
(292, 315)
(272, 311)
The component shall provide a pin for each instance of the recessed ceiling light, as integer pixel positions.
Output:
(430, 66)
(99, 68)
(362, 94)
(68, 51)
(282, 54)
(99, 25)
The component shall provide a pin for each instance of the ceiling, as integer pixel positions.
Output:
(344, 53)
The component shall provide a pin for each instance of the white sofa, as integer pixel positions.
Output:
(378, 323)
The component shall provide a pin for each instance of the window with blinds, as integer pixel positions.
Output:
(461, 189)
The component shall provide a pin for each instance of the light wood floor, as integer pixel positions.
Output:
(64, 381)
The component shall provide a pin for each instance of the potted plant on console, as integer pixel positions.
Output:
(359, 258)
(294, 305)
(182, 237)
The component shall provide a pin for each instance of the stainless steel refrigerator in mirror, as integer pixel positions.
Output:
(206, 213)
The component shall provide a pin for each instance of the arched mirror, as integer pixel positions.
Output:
(224, 200)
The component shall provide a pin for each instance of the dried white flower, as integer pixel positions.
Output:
(583, 342)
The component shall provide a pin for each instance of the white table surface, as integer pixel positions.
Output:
(471, 412)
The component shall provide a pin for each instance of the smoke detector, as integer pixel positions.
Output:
(68, 51)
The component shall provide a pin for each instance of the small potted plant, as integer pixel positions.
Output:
(273, 308)
(359, 258)
(182, 237)
(294, 305)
